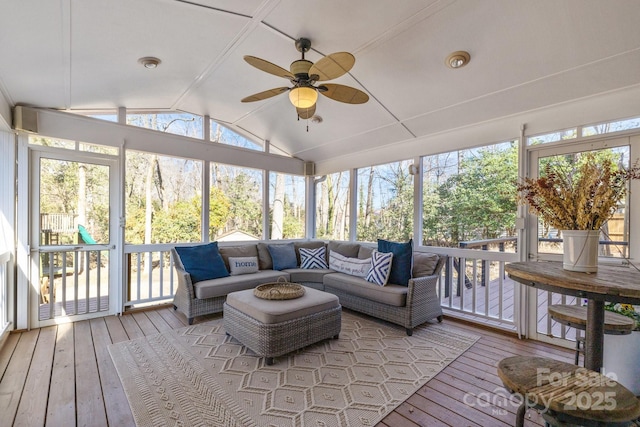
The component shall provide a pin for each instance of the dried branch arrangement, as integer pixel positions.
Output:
(583, 198)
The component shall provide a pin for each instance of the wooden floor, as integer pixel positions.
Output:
(63, 376)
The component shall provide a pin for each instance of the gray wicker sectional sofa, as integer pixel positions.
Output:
(408, 306)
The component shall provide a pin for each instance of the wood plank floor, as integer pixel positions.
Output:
(63, 376)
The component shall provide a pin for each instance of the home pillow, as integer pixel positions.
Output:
(402, 258)
(202, 262)
(283, 256)
(353, 266)
(237, 251)
(243, 265)
(380, 267)
(313, 258)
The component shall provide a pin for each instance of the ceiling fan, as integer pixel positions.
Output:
(304, 75)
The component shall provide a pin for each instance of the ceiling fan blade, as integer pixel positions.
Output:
(264, 95)
(268, 67)
(346, 94)
(306, 113)
(332, 66)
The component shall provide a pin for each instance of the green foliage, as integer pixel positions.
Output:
(179, 223)
(626, 310)
(478, 202)
(244, 193)
(219, 210)
(134, 231)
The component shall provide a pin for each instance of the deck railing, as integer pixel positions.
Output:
(149, 274)
(474, 283)
(5, 280)
(74, 280)
(58, 222)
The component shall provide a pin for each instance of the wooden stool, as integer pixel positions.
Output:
(569, 394)
(575, 316)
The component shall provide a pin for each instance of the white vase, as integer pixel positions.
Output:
(580, 250)
(620, 357)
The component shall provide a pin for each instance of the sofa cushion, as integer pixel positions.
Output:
(354, 266)
(395, 295)
(264, 258)
(315, 244)
(344, 248)
(223, 286)
(237, 251)
(202, 262)
(424, 264)
(313, 258)
(305, 276)
(380, 267)
(365, 252)
(283, 256)
(402, 258)
(243, 265)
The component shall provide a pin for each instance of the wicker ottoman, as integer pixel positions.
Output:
(271, 328)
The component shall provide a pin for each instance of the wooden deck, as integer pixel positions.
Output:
(63, 375)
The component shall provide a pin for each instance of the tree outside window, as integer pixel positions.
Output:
(385, 202)
(470, 195)
(332, 206)
(286, 206)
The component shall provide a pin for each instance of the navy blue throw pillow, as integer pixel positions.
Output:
(402, 260)
(202, 262)
(283, 256)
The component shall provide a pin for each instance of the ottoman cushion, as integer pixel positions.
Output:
(277, 311)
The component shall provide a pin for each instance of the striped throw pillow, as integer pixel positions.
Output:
(313, 258)
(380, 267)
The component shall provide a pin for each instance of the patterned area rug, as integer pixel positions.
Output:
(199, 376)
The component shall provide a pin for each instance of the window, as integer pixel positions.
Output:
(235, 197)
(177, 123)
(223, 135)
(52, 142)
(73, 145)
(163, 199)
(469, 197)
(332, 206)
(609, 127)
(286, 206)
(109, 117)
(95, 148)
(385, 202)
(553, 137)
(106, 115)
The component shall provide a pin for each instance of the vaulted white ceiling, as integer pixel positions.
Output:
(526, 55)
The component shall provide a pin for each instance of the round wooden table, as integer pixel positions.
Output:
(609, 283)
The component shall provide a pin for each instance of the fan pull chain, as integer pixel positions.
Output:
(307, 122)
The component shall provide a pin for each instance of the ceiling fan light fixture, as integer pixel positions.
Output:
(303, 96)
(458, 59)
